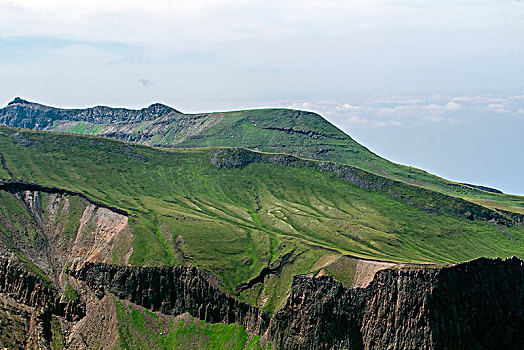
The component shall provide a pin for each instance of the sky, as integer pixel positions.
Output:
(434, 84)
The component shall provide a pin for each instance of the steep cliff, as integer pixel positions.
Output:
(35, 301)
(473, 305)
(172, 291)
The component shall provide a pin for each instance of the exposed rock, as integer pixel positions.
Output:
(266, 271)
(483, 188)
(17, 186)
(402, 308)
(172, 291)
(3, 163)
(37, 302)
(310, 133)
(25, 114)
(473, 305)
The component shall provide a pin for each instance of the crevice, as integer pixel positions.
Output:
(266, 271)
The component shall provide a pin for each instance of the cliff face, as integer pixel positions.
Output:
(474, 305)
(35, 301)
(156, 125)
(54, 227)
(172, 291)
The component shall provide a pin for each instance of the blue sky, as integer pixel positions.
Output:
(434, 84)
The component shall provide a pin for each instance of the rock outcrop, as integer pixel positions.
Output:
(473, 305)
(30, 115)
(172, 291)
(36, 300)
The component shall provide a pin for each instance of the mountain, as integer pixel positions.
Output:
(299, 133)
(112, 244)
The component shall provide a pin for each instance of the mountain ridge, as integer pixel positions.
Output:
(299, 133)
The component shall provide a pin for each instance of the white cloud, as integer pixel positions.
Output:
(371, 123)
(384, 123)
(396, 100)
(479, 98)
(354, 119)
(301, 105)
(498, 108)
(349, 107)
(450, 106)
(394, 123)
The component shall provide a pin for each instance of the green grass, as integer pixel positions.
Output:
(57, 341)
(255, 129)
(70, 295)
(234, 222)
(142, 329)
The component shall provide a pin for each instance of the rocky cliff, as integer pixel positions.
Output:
(474, 305)
(172, 291)
(156, 125)
(30, 115)
(36, 301)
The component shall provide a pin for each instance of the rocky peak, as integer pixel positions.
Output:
(159, 108)
(18, 100)
(22, 113)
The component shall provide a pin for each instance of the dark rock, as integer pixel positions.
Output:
(25, 114)
(473, 305)
(31, 290)
(172, 291)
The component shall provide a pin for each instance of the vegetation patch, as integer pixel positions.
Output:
(142, 329)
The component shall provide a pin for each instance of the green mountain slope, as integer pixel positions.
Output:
(237, 212)
(298, 133)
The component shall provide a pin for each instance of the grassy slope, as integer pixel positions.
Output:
(142, 329)
(249, 129)
(236, 221)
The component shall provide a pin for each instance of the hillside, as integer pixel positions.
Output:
(298, 133)
(235, 212)
(250, 222)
